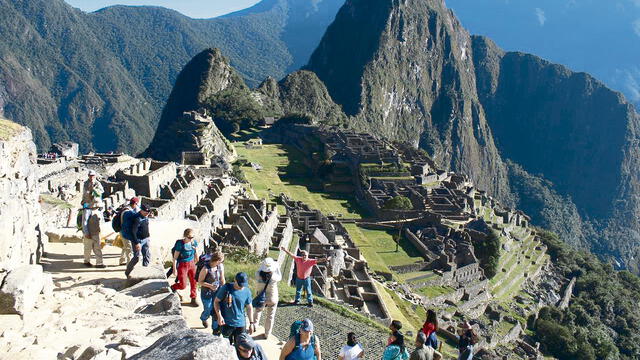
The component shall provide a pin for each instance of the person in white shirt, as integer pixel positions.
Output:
(353, 350)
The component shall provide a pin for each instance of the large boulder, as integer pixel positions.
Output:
(141, 273)
(20, 289)
(188, 344)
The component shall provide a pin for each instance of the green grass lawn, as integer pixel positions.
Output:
(435, 291)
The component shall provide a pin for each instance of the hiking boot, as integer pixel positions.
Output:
(296, 302)
(177, 293)
(101, 266)
(193, 302)
(310, 304)
(205, 324)
(88, 264)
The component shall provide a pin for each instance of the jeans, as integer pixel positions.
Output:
(146, 256)
(207, 312)
(466, 354)
(306, 284)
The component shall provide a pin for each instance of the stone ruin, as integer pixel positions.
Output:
(345, 278)
(205, 140)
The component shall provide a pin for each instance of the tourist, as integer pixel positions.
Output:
(184, 265)
(395, 327)
(91, 190)
(303, 345)
(140, 238)
(396, 349)
(248, 349)
(430, 328)
(91, 219)
(466, 340)
(126, 220)
(304, 265)
(267, 276)
(230, 304)
(423, 351)
(210, 279)
(352, 350)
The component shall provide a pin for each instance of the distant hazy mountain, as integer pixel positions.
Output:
(102, 78)
(595, 36)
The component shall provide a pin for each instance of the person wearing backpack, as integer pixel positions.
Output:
(467, 338)
(121, 222)
(267, 278)
(303, 345)
(230, 304)
(184, 265)
(396, 350)
(210, 279)
(140, 239)
(91, 219)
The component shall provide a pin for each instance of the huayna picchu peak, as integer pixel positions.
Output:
(412, 192)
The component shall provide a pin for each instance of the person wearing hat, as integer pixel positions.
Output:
(91, 190)
(126, 221)
(303, 345)
(229, 306)
(248, 349)
(140, 238)
(92, 217)
(267, 276)
(422, 351)
(466, 340)
(184, 265)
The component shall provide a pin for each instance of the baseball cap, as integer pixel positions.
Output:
(134, 200)
(92, 173)
(145, 208)
(242, 279)
(307, 325)
(246, 341)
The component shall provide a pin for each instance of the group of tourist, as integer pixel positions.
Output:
(229, 305)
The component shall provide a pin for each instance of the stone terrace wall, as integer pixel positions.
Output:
(20, 217)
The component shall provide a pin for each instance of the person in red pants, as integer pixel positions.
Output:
(184, 264)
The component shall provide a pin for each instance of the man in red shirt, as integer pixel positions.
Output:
(304, 265)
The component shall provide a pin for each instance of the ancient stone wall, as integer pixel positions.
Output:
(20, 217)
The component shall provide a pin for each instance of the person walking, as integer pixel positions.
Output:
(467, 338)
(396, 349)
(127, 213)
(230, 304)
(210, 279)
(430, 329)
(92, 217)
(92, 191)
(184, 265)
(353, 350)
(248, 349)
(303, 345)
(304, 266)
(140, 238)
(423, 351)
(266, 300)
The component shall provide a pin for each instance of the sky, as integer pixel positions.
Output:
(198, 9)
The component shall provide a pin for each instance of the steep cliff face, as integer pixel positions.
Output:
(206, 75)
(404, 69)
(19, 208)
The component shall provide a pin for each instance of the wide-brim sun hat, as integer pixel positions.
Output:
(269, 265)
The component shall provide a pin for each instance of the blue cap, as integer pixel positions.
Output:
(307, 325)
(242, 279)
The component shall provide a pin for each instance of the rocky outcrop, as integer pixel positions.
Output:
(20, 289)
(206, 75)
(409, 75)
(188, 344)
(20, 238)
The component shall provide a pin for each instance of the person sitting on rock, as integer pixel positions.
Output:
(184, 265)
(267, 276)
(248, 349)
(92, 191)
(423, 351)
(304, 265)
(429, 329)
(210, 279)
(140, 239)
(91, 234)
(229, 306)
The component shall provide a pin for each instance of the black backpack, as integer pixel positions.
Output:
(203, 261)
(116, 222)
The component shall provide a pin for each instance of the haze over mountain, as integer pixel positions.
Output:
(598, 37)
(102, 78)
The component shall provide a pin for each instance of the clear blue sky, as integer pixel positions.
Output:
(193, 8)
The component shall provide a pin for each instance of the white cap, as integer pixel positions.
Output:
(92, 173)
